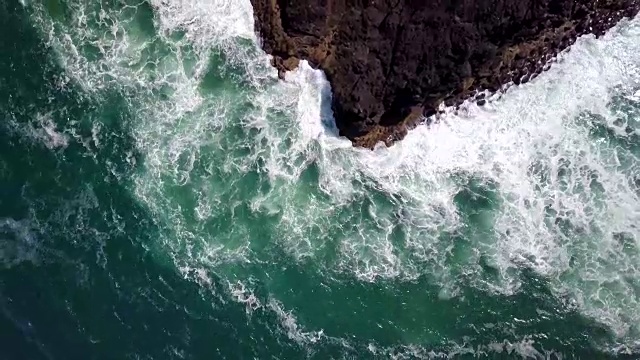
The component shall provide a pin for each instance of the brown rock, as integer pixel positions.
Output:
(392, 61)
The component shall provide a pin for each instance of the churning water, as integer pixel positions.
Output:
(164, 195)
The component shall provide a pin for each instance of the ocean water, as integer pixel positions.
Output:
(164, 196)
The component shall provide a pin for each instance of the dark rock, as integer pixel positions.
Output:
(391, 61)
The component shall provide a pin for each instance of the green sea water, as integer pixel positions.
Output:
(164, 196)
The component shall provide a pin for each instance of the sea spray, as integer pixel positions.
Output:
(249, 185)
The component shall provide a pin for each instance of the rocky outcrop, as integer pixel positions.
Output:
(390, 62)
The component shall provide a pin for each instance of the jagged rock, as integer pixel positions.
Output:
(390, 62)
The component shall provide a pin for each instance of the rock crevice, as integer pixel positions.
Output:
(391, 61)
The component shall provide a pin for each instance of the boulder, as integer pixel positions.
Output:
(393, 62)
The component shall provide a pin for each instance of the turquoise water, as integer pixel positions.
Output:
(165, 196)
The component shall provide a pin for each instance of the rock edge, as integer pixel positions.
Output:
(393, 62)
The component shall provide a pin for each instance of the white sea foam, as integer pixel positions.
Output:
(526, 347)
(242, 294)
(528, 134)
(559, 197)
(41, 130)
(523, 349)
(565, 196)
(290, 325)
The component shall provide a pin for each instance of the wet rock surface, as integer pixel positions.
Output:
(393, 62)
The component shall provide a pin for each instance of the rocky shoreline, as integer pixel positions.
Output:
(393, 62)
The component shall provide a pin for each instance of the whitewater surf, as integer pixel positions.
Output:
(165, 195)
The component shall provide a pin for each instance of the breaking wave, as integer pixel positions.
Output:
(245, 173)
